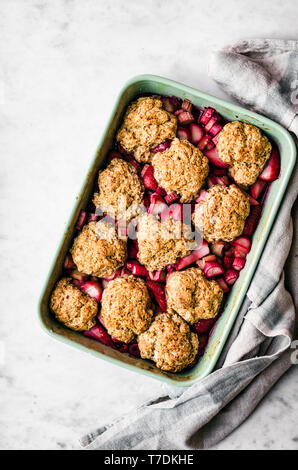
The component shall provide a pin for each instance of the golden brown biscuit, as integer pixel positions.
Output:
(120, 190)
(182, 169)
(72, 307)
(169, 343)
(126, 308)
(222, 215)
(146, 124)
(97, 250)
(193, 296)
(161, 242)
(246, 149)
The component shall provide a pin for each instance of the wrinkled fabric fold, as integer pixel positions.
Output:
(259, 74)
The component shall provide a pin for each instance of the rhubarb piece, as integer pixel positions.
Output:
(100, 334)
(183, 133)
(217, 248)
(162, 192)
(186, 106)
(132, 250)
(213, 157)
(223, 284)
(157, 204)
(203, 341)
(212, 268)
(133, 349)
(206, 116)
(224, 180)
(196, 133)
(198, 253)
(212, 121)
(215, 139)
(68, 262)
(147, 199)
(172, 197)
(204, 326)
(219, 171)
(174, 211)
(271, 170)
(113, 154)
(238, 263)
(211, 180)
(171, 103)
(92, 217)
(215, 129)
(159, 276)
(227, 261)
(185, 118)
(148, 178)
(240, 252)
(210, 145)
(136, 268)
(81, 220)
(258, 188)
(179, 111)
(93, 289)
(157, 290)
(204, 141)
(202, 196)
(252, 201)
(243, 242)
(231, 276)
(161, 147)
(252, 221)
(116, 274)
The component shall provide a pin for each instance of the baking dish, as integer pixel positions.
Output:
(158, 85)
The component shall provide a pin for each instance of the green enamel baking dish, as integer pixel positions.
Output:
(158, 85)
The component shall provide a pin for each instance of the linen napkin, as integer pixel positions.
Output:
(261, 74)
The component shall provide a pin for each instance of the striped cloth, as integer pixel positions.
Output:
(261, 75)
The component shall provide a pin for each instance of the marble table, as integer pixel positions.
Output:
(62, 65)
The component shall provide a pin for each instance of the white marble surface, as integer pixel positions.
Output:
(61, 65)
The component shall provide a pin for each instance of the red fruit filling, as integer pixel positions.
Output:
(213, 157)
(183, 133)
(223, 284)
(204, 326)
(81, 220)
(185, 118)
(136, 268)
(157, 290)
(212, 268)
(206, 116)
(162, 147)
(271, 170)
(172, 197)
(238, 263)
(252, 221)
(196, 133)
(93, 289)
(231, 276)
(198, 253)
(148, 178)
(99, 333)
(258, 188)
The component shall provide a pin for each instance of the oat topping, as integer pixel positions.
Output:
(162, 242)
(193, 296)
(120, 190)
(182, 168)
(97, 250)
(222, 215)
(169, 343)
(246, 149)
(126, 308)
(72, 307)
(146, 124)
